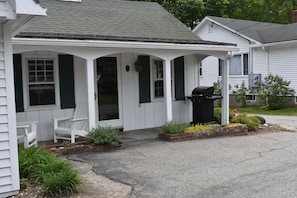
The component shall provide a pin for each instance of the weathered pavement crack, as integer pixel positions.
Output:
(260, 154)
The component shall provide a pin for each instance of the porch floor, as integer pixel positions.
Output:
(127, 137)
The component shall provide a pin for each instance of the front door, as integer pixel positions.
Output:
(108, 92)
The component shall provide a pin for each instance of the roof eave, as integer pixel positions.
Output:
(121, 44)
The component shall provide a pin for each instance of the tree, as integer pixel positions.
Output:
(191, 12)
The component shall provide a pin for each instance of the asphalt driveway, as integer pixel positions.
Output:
(247, 166)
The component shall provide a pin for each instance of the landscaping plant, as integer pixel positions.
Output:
(218, 115)
(43, 168)
(173, 127)
(273, 91)
(251, 122)
(199, 127)
(103, 135)
(240, 94)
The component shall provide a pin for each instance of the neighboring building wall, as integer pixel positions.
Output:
(9, 177)
(212, 32)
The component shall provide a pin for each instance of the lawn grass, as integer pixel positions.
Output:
(290, 111)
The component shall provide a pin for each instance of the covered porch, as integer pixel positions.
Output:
(137, 105)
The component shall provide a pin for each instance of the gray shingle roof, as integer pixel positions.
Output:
(110, 20)
(285, 33)
(260, 31)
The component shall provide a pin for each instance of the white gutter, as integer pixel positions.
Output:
(292, 42)
(120, 44)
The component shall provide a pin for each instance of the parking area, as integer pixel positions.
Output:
(263, 165)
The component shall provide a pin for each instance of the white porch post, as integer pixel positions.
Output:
(167, 90)
(91, 94)
(225, 92)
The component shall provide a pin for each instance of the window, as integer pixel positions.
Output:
(251, 97)
(41, 82)
(158, 78)
(238, 65)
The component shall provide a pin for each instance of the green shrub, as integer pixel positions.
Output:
(272, 91)
(252, 123)
(255, 119)
(43, 168)
(103, 135)
(262, 120)
(65, 180)
(173, 127)
(218, 115)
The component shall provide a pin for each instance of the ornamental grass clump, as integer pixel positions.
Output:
(54, 175)
(103, 135)
(199, 127)
(173, 127)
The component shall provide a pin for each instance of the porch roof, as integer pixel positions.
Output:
(114, 20)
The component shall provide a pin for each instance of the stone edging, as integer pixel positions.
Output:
(217, 132)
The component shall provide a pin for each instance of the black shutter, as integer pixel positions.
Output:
(221, 64)
(18, 82)
(144, 79)
(66, 76)
(179, 78)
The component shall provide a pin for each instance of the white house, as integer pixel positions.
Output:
(132, 62)
(14, 15)
(263, 48)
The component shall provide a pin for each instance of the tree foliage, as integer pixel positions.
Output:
(190, 12)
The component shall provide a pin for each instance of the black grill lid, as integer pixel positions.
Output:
(203, 91)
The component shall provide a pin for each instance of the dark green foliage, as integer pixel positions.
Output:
(173, 127)
(65, 180)
(251, 122)
(218, 115)
(261, 119)
(45, 169)
(103, 135)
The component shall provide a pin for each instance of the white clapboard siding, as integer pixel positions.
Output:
(5, 154)
(283, 63)
(210, 71)
(260, 62)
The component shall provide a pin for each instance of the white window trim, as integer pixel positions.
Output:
(161, 99)
(27, 106)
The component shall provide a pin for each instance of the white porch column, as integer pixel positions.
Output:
(167, 90)
(91, 93)
(225, 92)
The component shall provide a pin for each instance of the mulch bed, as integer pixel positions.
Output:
(82, 147)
